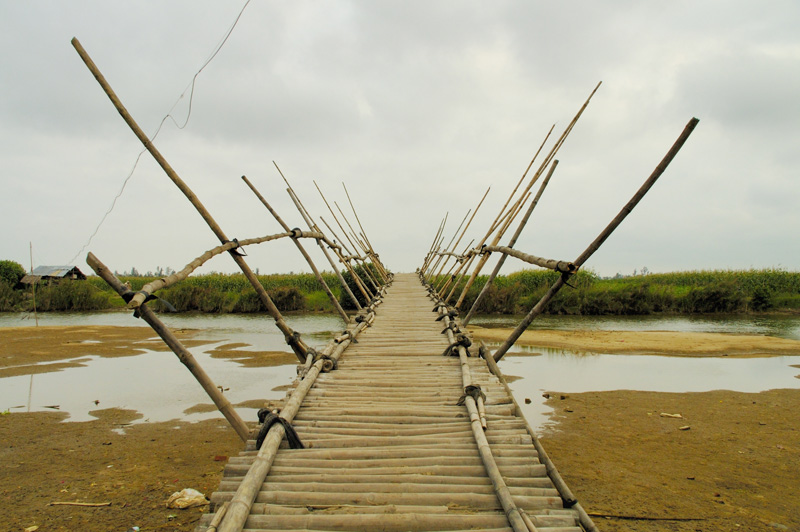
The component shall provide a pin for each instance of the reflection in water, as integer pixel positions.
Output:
(768, 325)
(567, 372)
(161, 388)
(155, 384)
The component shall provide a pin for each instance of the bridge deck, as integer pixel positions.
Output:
(387, 447)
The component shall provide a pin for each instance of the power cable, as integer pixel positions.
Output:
(189, 87)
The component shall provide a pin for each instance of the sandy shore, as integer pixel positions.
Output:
(734, 468)
(649, 342)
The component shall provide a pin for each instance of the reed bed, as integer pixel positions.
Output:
(689, 292)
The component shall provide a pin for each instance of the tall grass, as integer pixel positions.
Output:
(670, 293)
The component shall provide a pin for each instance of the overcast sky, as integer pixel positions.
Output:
(418, 107)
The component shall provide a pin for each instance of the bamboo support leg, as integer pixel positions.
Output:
(178, 348)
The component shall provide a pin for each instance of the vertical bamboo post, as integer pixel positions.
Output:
(595, 245)
(298, 346)
(302, 250)
(511, 243)
(33, 290)
(178, 348)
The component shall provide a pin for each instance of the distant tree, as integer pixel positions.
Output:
(11, 272)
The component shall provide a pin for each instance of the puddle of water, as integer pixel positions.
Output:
(568, 372)
(155, 384)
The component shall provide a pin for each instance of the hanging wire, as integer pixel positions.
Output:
(190, 88)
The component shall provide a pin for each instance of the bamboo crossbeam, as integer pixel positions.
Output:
(298, 346)
(595, 245)
(557, 265)
(178, 348)
(165, 282)
(511, 243)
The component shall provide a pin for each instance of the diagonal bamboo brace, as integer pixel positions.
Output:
(178, 348)
(293, 339)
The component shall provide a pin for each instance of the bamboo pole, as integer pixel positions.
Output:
(441, 256)
(362, 285)
(165, 282)
(313, 225)
(301, 249)
(430, 254)
(513, 192)
(364, 247)
(478, 426)
(248, 489)
(552, 471)
(465, 321)
(468, 223)
(363, 232)
(589, 251)
(355, 249)
(298, 346)
(310, 222)
(545, 162)
(178, 348)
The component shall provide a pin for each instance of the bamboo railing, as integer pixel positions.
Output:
(138, 300)
(565, 268)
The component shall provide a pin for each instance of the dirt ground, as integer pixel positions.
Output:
(731, 461)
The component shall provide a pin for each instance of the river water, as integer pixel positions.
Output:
(158, 386)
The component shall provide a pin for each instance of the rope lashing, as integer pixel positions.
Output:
(452, 314)
(296, 232)
(267, 419)
(235, 249)
(474, 391)
(452, 326)
(452, 350)
(329, 363)
(127, 296)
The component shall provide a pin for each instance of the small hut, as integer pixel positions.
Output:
(53, 273)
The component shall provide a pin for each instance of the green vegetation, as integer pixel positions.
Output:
(11, 272)
(670, 293)
(588, 294)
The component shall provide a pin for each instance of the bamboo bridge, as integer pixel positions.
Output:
(388, 447)
(399, 423)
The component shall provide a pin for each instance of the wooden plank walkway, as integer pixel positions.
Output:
(387, 446)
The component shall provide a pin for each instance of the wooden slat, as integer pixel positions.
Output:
(388, 448)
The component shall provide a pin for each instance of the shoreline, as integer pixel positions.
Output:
(735, 467)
